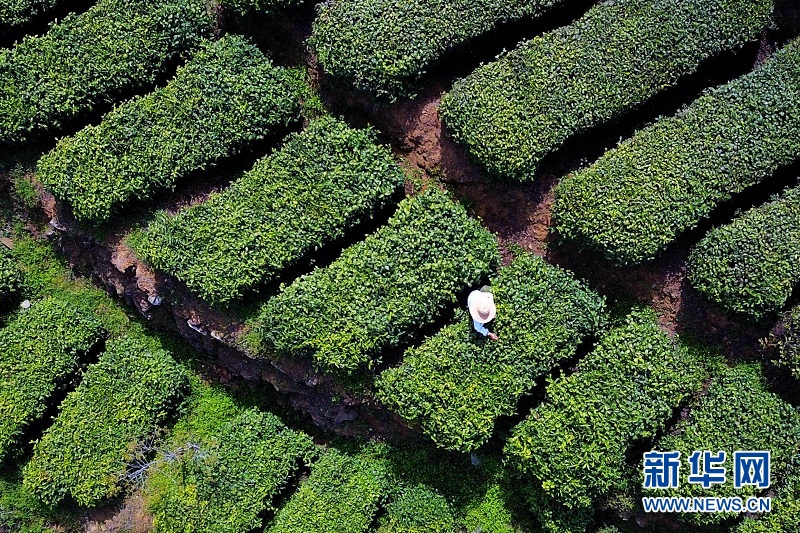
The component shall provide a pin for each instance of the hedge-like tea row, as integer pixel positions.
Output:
(15, 13)
(10, 277)
(785, 514)
(417, 509)
(737, 413)
(384, 47)
(381, 291)
(342, 494)
(245, 7)
(751, 265)
(40, 350)
(784, 340)
(230, 480)
(226, 96)
(319, 185)
(511, 113)
(573, 445)
(637, 198)
(457, 383)
(122, 398)
(93, 58)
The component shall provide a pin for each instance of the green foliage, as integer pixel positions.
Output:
(10, 277)
(417, 509)
(573, 445)
(228, 95)
(342, 494)
(514, 111)
(122, 398)
(245, 7)
(750, 265)
(40, 350)
(19, 12)
(408, 489)
(319, 185)
(46, 275)
(20, 511)
(639, 197)
(457, 383)
(480, 498)
(379, 292)
(24, 189)
(229, 479)
(92, 59)
(785, 515)
(784, 339)
(553, 516)
(383, 47)
(737, 413)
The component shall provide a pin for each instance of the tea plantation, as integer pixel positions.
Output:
(237, 239)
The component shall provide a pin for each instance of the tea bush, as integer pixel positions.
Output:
(122, 399)
(92, 59)
(319, 185)
(784, 340)
(14, 13)
(737, 413)
(227, 96)
(785, 514)
(384, 47)
(10, 278)
(751, 265)
(573, 445)
(417, 509)
(511, 113)
(246, 7)
(230, 480)
(41, 349)
(342, 494)
(381, 291)
(457, 383)
(636, 199)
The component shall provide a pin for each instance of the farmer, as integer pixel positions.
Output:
(481, 308)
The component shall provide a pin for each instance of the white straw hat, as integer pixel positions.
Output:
(482, 306)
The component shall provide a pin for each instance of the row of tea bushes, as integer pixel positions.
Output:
(91, 59)
(784, 341)
(226, 96)
(41, 351)
(751, 265)
(391, 490)
(15, 13)
(458, 383)
(316, 188)
(573, 446)
(10, 278)
(637, 198)
(224, 467)
(785, 514)
(511, 113)
(384, 47)
(736, 413)
(131, 390)
(379, 292)
(247, 7)
(227, 481)
(342, 494)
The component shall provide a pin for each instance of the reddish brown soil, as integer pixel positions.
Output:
(129, 516)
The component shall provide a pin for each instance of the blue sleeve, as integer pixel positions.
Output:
(480, 328)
